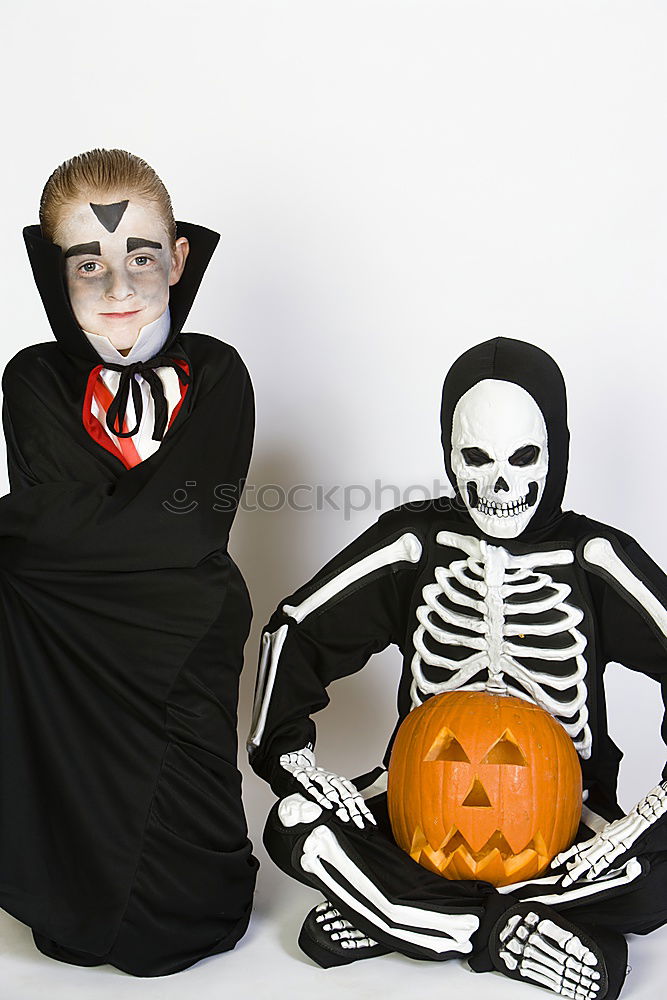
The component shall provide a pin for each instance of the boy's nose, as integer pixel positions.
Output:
(119, 286)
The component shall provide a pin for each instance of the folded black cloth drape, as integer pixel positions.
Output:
(122, 624)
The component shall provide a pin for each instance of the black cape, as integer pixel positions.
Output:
(123, 625)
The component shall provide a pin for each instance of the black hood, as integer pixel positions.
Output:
(47, 262)
(536, 372)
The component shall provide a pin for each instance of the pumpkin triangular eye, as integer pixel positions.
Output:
(447, 747)
(506, 750)
(477, 795)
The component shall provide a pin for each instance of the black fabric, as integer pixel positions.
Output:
(327, 953)
(123, 620)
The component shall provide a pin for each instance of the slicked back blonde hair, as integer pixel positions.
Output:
(102, 172)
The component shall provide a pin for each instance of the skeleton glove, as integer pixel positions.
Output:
(596, 856)
(329, 790)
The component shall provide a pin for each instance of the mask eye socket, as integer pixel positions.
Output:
(475, 456)
(527, 455)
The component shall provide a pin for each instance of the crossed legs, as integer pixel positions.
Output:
(377, 899)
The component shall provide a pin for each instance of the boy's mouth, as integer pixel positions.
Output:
(121, 315)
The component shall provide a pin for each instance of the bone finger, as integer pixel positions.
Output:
(350, 934)
(574, 874)
(337, 925)
(573, 967)
(508, 929)
(355, 933)
(603, 865)
(567, 940)
(330, 788)
(365, 811)
(549, 929)
(572, 972)
(538, 975)
(564, 856)
(365, 943)
(358, 810)
(553, 958)
(314, 791)
(574, 947)
(576, 993)
(531, 966)
(510, 960)
(581, 988)
(557, 983)
(580, 978)
(343, 787)
(554, 951)
(523, 931)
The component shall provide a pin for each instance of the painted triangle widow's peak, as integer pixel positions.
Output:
(110, 215)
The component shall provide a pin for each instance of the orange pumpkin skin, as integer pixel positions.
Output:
(483, 786)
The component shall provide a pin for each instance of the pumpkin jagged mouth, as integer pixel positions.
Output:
(495, 860)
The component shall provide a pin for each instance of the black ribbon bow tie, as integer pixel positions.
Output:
(118, 406)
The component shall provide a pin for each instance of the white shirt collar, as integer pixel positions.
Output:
(150, 342)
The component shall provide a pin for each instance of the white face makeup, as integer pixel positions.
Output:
(499, 456)
(118, 265)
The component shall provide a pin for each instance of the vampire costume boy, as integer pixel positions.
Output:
(122, 833)
(497, 590)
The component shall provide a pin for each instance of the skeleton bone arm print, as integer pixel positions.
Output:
(634, 604)
(354, 607)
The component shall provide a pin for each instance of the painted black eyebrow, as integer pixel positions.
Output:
(80, 249)
(137, 242)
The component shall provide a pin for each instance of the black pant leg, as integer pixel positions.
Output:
(373, 855)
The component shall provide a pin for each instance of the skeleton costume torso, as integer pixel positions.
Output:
(505, 624)
(522, 619)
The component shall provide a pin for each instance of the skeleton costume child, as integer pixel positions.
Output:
(122, 832)
(500, 591)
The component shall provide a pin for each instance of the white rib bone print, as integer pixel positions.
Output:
(487, 602)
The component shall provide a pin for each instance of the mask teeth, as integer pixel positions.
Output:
(498, 508)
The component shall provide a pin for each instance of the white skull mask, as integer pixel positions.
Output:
(499, 456)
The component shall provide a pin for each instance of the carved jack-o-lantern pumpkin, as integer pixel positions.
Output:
(483, 786)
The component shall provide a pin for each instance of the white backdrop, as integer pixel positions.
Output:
(394, 181)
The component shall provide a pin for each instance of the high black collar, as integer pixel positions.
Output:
(47, 262)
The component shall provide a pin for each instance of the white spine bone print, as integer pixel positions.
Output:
(484, 581)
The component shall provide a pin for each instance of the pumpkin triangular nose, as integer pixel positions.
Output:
(477, 795)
